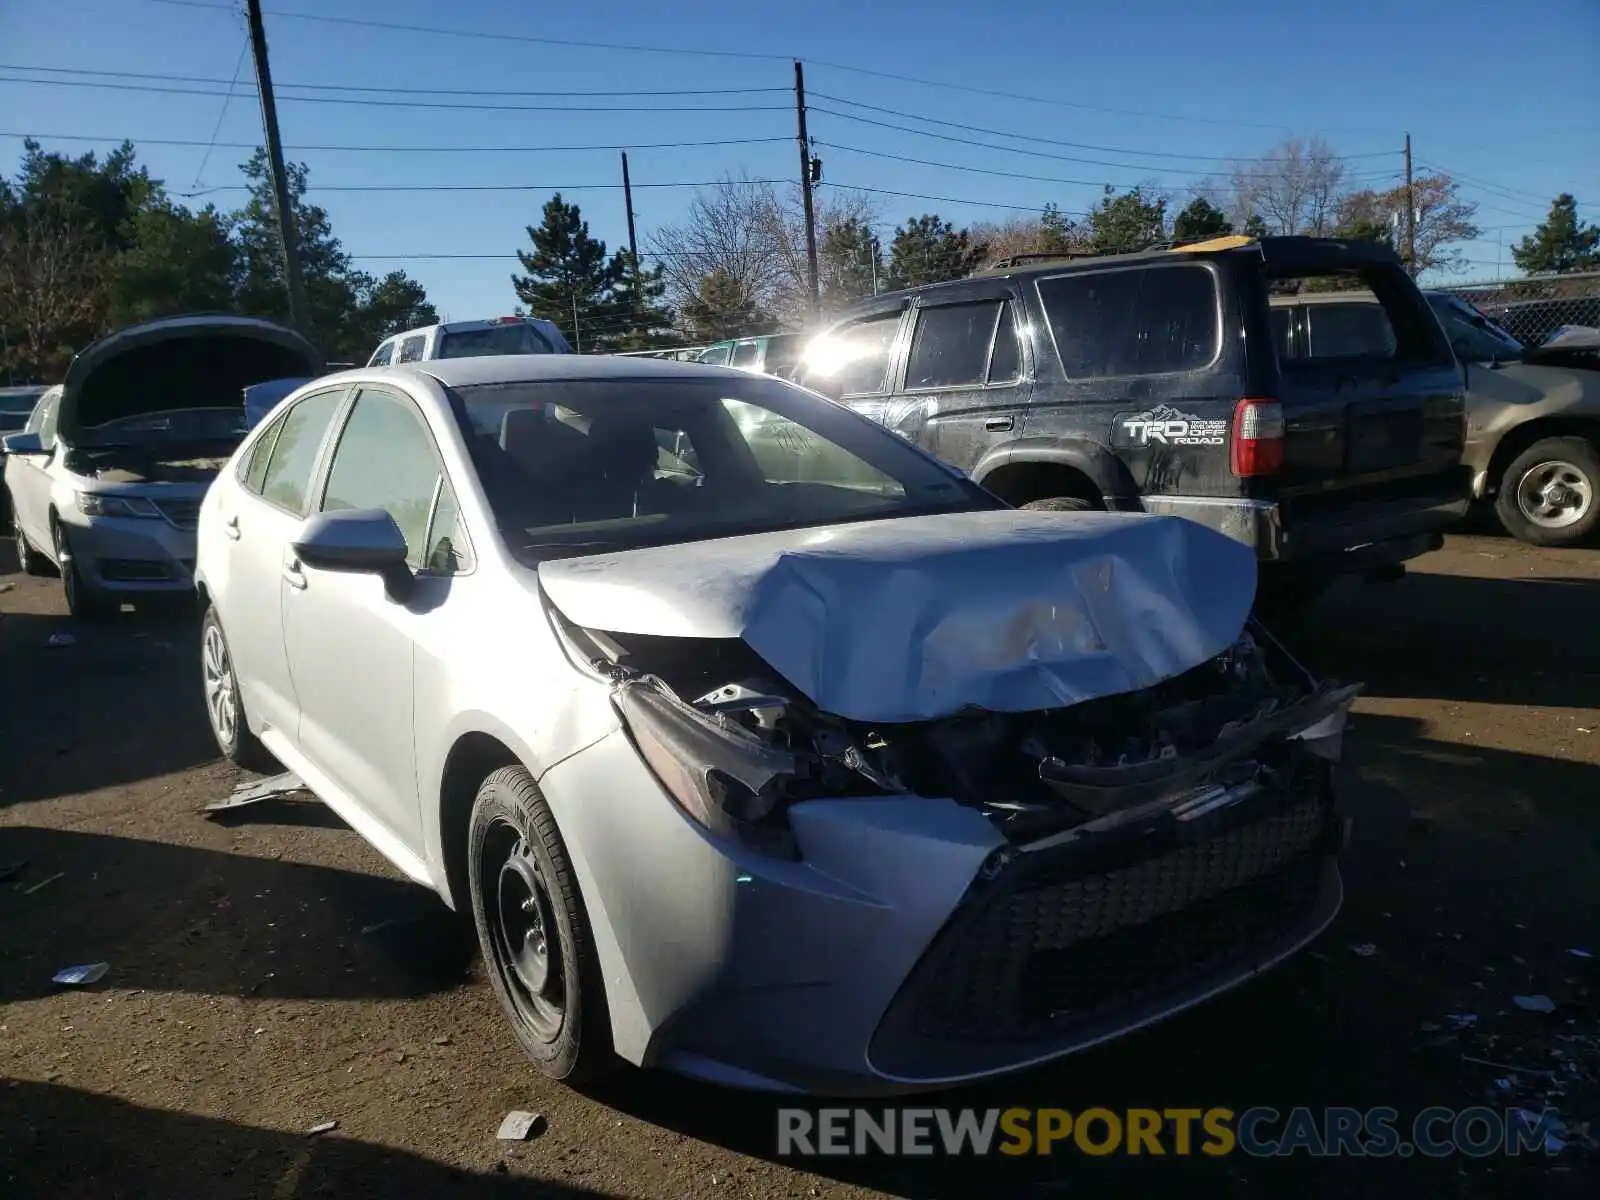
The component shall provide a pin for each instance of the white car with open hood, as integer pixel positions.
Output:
(762, 746)
(106, 477)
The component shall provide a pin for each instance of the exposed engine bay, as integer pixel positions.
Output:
(715, 722)
(154, 464)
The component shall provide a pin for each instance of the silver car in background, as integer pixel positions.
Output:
(106, 477)
(762, 746)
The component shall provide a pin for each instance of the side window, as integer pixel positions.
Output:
(411, 349)
(382, 356)
(854, 360)
(950, 347)
(294, 450)
(1349, 331)
(746, 354)
(47, 412)
(1282, 316)
(255, 467)
(1005, 364)
(446, 547)
(1133, 321)
(717, 356)
(385, 459)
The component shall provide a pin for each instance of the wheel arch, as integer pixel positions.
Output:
(1024, 472)
(1520, 437)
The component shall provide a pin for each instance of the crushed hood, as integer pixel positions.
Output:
(177, 363)
(918, 618)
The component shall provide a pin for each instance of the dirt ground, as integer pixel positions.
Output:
(270, 972)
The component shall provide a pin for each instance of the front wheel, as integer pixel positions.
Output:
(1059, 504)
(84, 602)
(533, 930)
(1547, 495)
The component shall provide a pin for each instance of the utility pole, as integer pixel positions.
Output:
(279, 179)
(633, 239)
(1411, 216)
(806, 169)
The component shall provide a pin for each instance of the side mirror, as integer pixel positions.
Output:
(361, 540)
(23, 443)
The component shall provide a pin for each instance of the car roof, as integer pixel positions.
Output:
(551, 368)
(466, 326)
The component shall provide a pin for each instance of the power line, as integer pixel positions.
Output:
(409, 149)
(497, 36)
(1026, 137)
(399, 91)
(223, 114)
(572, 108)
(1033, 208)
(1511, 195)
(474, 187)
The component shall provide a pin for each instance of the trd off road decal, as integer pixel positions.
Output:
(1166, 426)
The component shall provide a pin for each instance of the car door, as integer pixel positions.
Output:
(351, 646)
(259, 516)
(964, 389)
(28, 475)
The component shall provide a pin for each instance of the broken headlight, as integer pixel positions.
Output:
(724, 777)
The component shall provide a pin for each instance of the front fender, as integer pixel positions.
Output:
(1104, 469)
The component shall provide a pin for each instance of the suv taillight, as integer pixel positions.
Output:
(1257, 437)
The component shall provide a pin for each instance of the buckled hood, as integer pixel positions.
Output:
(917, 618)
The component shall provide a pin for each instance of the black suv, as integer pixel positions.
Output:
(1162, 381)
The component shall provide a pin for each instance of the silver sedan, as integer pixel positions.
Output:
(762, 746)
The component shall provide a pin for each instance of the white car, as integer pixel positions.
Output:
(471, 339)
(761, 745)
(106, 477)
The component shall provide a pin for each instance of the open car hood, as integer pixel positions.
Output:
(917, 618)
(177, 363)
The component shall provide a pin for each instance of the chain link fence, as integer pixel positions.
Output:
(1532, 309)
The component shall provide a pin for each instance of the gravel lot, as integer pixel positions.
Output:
(269, 972)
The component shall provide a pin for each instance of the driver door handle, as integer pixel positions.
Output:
(999, 424)
(294, 576)
(231, 528)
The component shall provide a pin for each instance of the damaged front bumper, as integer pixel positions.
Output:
(910, 944)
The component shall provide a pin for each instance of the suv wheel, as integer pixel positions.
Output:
(224, 705)
(533, 930)
(1059, 504)
(1548, 494)
(29, 560)
(84, 602)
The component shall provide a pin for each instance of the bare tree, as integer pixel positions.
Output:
(1294, 187)
(50, 287)
(1444, 220)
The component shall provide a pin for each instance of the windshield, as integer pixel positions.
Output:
(520, 338)
(226, 425)
(585, 468)
(20, 404)
(1473, 336)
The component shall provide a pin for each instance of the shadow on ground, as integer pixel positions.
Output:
(180, 918)
(66, 1144)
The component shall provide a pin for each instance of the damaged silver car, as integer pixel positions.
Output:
(762, 746)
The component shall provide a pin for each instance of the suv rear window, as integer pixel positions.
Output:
(1147, 320)
(500, 339)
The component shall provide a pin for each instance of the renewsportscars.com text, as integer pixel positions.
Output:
(1154, 1132)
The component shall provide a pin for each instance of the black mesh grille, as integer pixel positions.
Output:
(1062, 942)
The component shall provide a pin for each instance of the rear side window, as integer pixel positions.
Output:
(746, 354)
(951, 345)
(717, 356)
(383, 356)
(411, 349)
(295, 442)
(520, 338)
(1133, 321)
(1358, 329)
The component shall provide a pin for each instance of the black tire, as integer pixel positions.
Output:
(522, 883)
(234, 739)
(1059, 504)
(84, 601)
(1550, 493)
(29, 560)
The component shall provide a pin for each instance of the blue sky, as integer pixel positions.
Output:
(1506, 96)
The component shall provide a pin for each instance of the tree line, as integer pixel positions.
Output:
(90, 244)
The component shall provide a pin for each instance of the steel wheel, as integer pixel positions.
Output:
(1554, 494)
(525, 942)
(222, 700)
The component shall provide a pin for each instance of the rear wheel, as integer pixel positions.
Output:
(533, 930)
(84, 601)
(1547, 495)
(224, 707)
(1059, 504)
(29, 560)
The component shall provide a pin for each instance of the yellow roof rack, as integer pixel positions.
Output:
(1231, 242)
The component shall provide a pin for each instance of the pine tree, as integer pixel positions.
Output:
(1562, 243)
(1199, 221)
(570, 280)
(724, 309)
(851, 262)
(927, 249)
(1127, 223)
